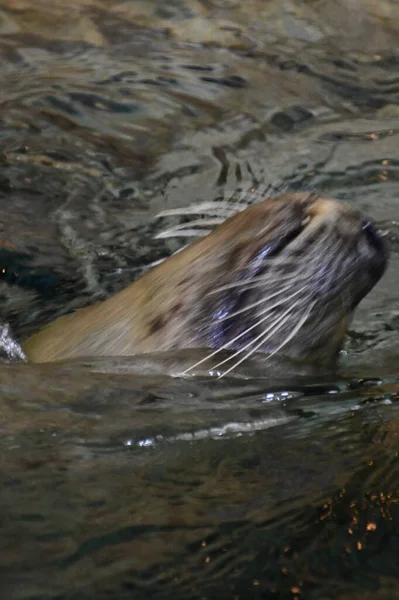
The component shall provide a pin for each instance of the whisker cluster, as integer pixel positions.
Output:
(289, 337)
(223, 209)
(296, 307)
(257, 281)
(276, 325)
(213, 213)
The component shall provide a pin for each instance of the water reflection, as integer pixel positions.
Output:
(280, 507)
(114, 485)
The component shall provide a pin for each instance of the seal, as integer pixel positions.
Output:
(280, 278)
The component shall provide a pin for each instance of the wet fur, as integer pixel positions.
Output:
(216, 292)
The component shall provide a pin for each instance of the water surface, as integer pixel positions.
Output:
(122, 486)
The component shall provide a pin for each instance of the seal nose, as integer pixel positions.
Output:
(377, 245)
(374, 239)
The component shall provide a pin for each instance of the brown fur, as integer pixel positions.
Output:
(170, 306)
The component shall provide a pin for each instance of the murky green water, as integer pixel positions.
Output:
(119, 486)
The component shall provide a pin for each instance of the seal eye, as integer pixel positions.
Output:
(373, 237)
(279, 244)
(305, 222)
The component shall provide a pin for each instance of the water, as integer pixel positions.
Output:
(117, 485)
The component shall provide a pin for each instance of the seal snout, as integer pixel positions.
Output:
(327, 211)
(374, 239)
(376, 252)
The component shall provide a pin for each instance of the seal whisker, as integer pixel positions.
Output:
(183, 233)
(270, 277)
(275, 326)
(222, 209)
(257, 303)
(217, 212)
(195, 223)
(255, 282)
(227, 345)
(293, 333)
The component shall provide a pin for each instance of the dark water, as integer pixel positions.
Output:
(121, 486)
